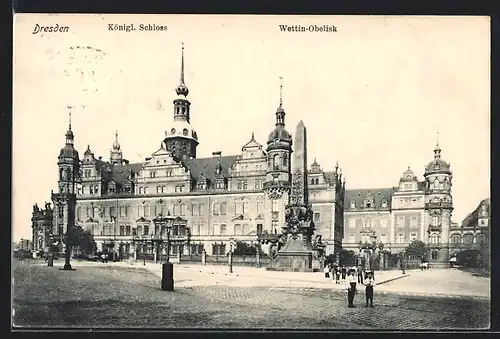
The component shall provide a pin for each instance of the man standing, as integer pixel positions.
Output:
(369, 283)
(360, 274)
(351, 289)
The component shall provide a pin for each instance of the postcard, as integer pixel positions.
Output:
(251, 172)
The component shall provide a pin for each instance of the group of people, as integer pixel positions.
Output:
(354, 275)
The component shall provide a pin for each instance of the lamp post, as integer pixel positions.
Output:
(231, 255)
(167, 277)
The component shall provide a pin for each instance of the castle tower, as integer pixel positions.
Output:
(116, 154)
(277, 184)
(64, 201)
(181, 139)
(438, 208)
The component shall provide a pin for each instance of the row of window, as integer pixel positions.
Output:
(243, 185)
(218, 184)
(197, 209)
(479, 239)
(369, 203)
(162, 189)
(400, 222)
(197, 229)
(94, 189)
(400, 238)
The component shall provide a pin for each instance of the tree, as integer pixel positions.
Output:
(243, 248)
(82, 239)
(347, 257)
(417, 249)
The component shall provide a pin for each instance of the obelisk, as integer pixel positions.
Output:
(296, 251)
(299, 194)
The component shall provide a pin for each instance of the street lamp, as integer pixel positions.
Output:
(163, 223)
(167, 277)
(230, 260)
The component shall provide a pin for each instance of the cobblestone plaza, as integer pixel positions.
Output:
(107, 296)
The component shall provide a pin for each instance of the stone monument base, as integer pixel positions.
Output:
(439, 264)
(292, 262)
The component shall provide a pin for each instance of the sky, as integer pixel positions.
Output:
(374, 95)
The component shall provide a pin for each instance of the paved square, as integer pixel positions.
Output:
(119, 296)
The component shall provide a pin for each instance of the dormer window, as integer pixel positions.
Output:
(384, 203)
(152, 174)
(369, 201)
(353, 203)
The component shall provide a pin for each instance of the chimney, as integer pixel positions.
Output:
(100, 158)
(217, 154)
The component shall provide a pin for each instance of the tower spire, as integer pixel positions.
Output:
(182, 88)
(281, 91)
(182, 65)
(69, 126)
(280, 112)
(69, 132)
(437, 150)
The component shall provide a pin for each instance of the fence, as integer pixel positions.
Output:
(240, 260)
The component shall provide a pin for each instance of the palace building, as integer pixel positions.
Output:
(413, 210)
(213, 199)
(222, 197)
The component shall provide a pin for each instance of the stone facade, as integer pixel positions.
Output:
(221, 197)
(413, 210)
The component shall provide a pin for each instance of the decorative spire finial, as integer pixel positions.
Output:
(182, 88)
(116, 144)
(253, 135)
(182, 65)
(281, 91)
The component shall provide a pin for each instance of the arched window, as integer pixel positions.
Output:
(435, 220)
(96, 189)
(145, 190)
(140, 190)
(158, 189)
(436, 183)
(285, 159)
(239, 185)
(276, 161)
(353, 203)
(455, 239)
(312, 181)
(468, 239)
(84, 190)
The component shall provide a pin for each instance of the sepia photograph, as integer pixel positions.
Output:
(251, 172)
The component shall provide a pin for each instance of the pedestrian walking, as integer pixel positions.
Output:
(351, 289)
(326, 270)
(343, 271)
(360, 274)
(369, 283)
(337, 275)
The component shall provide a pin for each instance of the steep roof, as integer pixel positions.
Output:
(471, 220)
(378, 195)
(206, 166)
